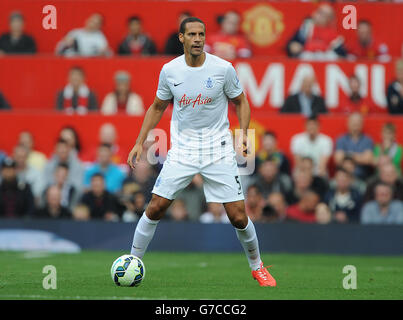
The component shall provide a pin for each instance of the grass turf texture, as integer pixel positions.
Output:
(200, 276)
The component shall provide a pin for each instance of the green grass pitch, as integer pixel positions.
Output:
(200, 276)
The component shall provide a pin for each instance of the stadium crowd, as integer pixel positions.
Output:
(348, 180)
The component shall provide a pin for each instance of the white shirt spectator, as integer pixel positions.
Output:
(89, 43)
(303, 146)
(134, 105)
(208, 217)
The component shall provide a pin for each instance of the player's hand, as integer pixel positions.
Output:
(245, 150)
(134, 155)
(242, 144)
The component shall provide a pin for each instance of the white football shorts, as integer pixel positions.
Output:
(221, 177)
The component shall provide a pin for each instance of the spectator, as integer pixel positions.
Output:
(70, 135)
(81, 213)
(16, 41)
(63, 154)
(395, 91)
(356, 145)
(193, 197)
(304, 180)
(36, 159)
(349, 165)
(229, 43)
(305, 101)
(254, 203)
(343, 200)
(88, 41)
(76, 97)
(122, 99)
(270, 150)
(177, 211)
(16, 199)
(27, 174)
(69, 195)
(387, 174)
(365, 46)
(383, 210)
(132, 201)
(269, 179)
(107, 135)
(317, 38)
(4, 105)
(53, 207)
(101, 203)
(354, 102)
(144, 176)
(312, 144)
(113, 175)
(269, 214)
(323, 214)
(173, 46)
(304, 210)
(389, 147)
(215, 214)
(277, 201)
(319, 184)
(136, 42)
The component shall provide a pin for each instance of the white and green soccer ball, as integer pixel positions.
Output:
(128, 271)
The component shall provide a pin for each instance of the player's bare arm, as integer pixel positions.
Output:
(243, 113)
(151, 119)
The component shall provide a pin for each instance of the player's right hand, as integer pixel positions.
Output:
(134, 155)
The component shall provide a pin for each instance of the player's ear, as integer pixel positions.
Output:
(181, 39)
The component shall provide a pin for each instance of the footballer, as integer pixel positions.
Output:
(200, 85)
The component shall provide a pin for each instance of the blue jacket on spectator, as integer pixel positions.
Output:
(113, 175)
(351, 207)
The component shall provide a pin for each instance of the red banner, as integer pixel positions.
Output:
(267, 25)
(32, 82)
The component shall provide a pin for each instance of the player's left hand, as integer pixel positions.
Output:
(245, 150)
(242, 144)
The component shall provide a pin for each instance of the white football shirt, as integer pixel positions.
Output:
(200, 98)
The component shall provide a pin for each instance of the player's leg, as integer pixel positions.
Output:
(222, 184)
(147, 224)
(245, 231)
(173, 178)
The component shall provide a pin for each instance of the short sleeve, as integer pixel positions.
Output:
(232, 86)
(163, 91)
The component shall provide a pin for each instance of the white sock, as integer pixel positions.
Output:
(145, 230)
(250, 244)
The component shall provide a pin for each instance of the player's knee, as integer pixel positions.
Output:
(239, 220)
(155, 209)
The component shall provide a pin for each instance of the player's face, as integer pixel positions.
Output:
(193, 39)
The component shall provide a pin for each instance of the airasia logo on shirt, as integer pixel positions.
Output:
(185, 101)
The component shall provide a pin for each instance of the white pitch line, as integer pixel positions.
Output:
(23, 296)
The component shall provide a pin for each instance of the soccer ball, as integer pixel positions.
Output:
(128, 271)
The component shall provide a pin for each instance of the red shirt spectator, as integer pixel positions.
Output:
(229, 43)
(354, 102)
(365, 46)
(304, 210)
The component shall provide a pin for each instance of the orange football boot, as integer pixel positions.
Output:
(263, 276)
